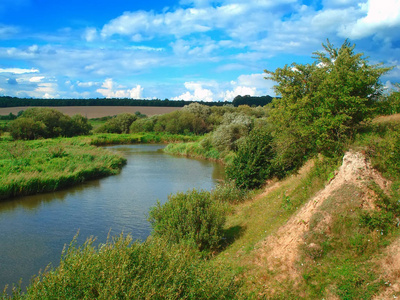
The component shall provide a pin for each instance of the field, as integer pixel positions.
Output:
(99, 111)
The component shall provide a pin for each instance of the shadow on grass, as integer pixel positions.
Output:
(232, 234)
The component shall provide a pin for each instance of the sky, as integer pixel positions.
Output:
(198, 50)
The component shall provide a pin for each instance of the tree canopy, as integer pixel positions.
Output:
(323, 103)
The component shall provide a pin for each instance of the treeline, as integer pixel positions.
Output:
(251, 100)
(6, 101)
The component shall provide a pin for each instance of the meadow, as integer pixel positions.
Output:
(29, 167)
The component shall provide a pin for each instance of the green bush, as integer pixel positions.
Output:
(229, 192)
(193, 218)
(233, 127)
(26, 129)
(143, 125)
(119, 124)
(43, 122)
(252, 164)
(122, 269)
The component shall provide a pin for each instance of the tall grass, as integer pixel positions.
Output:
(29, 167)
(195, 150)
(123, 269)
(149, 137)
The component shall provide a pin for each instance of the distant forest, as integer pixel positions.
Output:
(6, 101)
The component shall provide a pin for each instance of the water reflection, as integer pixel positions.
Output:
(34, 229)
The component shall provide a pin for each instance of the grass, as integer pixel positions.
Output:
(338, 259)
(195, 150)
(123, 269)
(152, 137)
(29, 167)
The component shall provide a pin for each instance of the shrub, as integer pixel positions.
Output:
(229, 192)
(233, 127)
(43, 122)
(119, 124)
(252, 164)
(122, 269)
(26, 129)
(80, 125)
(56, 123)
(143, 125)
(192, 218)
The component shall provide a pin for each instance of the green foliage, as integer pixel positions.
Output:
(119, 124)
(29, 167)
(323, 103)
(227, 191)
(123, 269)
(143, 125)
(44, 122)
(26, 129)
(80, 125)
(252, 164)
(227, 136)
(193, 218)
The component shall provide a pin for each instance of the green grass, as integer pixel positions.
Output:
(123, 269)
(339, 258)
(29, 167)
(134, 138)
(195, 150)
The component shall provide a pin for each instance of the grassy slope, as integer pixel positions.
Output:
(337, 255)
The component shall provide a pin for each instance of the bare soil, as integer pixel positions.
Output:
(280, 252)
(99, 111)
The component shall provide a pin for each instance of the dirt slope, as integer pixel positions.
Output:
(280, 252)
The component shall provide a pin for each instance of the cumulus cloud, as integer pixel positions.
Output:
(253, 85)
(110, 90)
(196, 92)
(380, 16)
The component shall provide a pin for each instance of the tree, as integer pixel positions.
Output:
(322, 103)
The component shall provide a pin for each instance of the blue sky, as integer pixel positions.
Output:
(183, 49)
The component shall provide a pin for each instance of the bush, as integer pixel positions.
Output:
(26, 129)
(43, 122)
(252, 164)
(233, 127)
(143, 125)
(119, 124)
(192, 218)
(80, 125)
(122, 269)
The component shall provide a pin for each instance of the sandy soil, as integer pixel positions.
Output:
(279, 252)
(99, 111)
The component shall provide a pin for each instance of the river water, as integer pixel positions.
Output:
(34, 229)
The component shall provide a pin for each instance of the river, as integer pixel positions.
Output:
(34, 229)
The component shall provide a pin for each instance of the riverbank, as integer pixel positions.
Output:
(30, 167)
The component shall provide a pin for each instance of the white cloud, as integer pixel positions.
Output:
(109, 90)
(90, 34)
(36, 78)
(18, 70)
(253, 85)
(380, 17)
(196, 93)
(87, 84)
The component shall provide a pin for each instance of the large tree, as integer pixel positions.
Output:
(322, 103)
